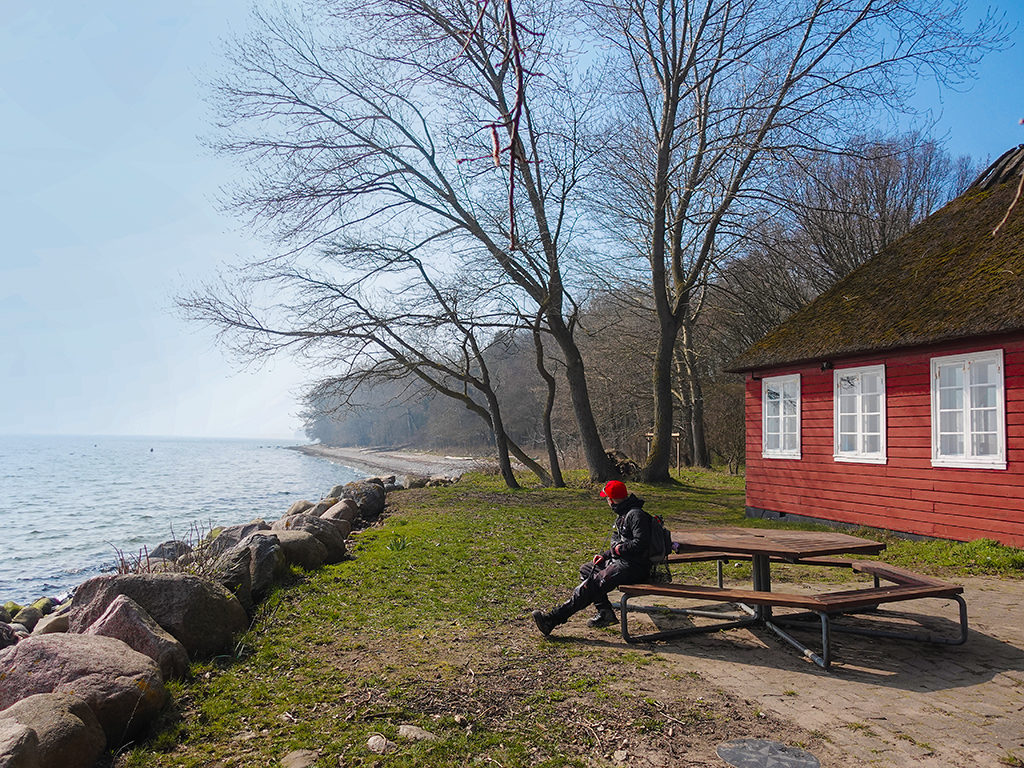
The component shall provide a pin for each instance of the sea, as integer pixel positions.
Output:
(71, 507)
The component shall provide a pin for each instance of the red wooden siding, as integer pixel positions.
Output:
(906, 493)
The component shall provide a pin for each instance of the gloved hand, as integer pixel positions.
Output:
(598, 559)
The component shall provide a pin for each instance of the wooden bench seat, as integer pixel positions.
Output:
(823, 606)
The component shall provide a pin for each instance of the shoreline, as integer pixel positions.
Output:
(383, 462)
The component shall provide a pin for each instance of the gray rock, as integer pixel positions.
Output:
(416, 481)
(225, 538)
(5, 616)
(300, 758)
(322, 506)
(28, 617)
(267, 562)
(68, 733)
(122, 687)
(8, 636)
(231, 571)
(55, 622)
(201, 615)
(380, 745)
(171, 550)
(344, 527)
(369, 498)
(415, 733)
(302, 548)
(19, 746)
(345, 509)
(325, 532)
(128, 621)
(298, 507)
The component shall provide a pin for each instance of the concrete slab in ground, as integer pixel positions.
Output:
(889, 703)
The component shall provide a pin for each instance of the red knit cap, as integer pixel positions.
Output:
(614, 490)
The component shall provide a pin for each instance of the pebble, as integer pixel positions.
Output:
(379, 744)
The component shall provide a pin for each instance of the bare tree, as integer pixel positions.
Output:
(361, 121)
(717, 98)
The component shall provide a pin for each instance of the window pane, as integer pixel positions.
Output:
(847, 443)
(847, 385)
(848, 404)
(789, 406)
(771, 408)
(951, 375)
(771, 441)
(951, 399)
(871, 404)
(847, 424)
(789, 441)
(872, 423)
(872, 444)
(983, 397)
(984, 372)
(983, 445)
(951, 445)
(983, 421)
(951, 421)
(871, 384)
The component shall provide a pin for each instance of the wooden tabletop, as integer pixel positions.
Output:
(788, 544)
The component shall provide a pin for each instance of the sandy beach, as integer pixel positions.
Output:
(380, 462)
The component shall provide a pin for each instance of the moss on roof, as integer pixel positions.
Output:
(948, 278)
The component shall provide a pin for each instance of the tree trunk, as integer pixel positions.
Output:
(701, 457)
(659, 460)
(597, 463)
(501, 442)
(549, 405)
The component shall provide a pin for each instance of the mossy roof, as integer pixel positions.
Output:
(948, 278)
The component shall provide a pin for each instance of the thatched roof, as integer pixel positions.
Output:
(948, 278)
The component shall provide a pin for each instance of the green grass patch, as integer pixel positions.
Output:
(429, 624)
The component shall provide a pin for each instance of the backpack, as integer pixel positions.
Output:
(661, 540)
(661, 547)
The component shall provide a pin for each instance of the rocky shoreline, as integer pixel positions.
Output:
(80, 677)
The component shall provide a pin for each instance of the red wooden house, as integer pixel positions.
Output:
(896, 399)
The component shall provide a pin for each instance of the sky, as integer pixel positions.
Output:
(108, 210)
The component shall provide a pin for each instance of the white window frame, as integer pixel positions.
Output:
(859, 455)
(996, 461)
(780, 452)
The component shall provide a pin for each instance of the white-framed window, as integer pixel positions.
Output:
(780, 417)
(968, 410)
(859, 414)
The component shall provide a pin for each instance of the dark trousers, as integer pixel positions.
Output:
(598, 581)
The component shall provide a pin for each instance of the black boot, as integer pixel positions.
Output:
(547, 621)
(604, 617)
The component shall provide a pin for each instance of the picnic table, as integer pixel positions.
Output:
(765, 547)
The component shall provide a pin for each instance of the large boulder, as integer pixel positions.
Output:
(55, 622)
(122, 687)
(68, 733)
(299, 507)
(201, 615)
(302, 548)
(170, 550)
(224, 539)
(368, 496)
(19, 746)
(324, 530)
(128, 621)
(28, 617)
(231, 571)
(322, 506)
(267, 562)
(345, 509)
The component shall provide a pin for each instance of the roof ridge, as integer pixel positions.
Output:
(1009, 165)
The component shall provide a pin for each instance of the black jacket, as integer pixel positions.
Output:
(631, 536)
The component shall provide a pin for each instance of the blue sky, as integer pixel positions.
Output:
(107, 210)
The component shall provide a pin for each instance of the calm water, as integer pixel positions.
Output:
(67, 504)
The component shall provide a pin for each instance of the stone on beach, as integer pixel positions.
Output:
(267, 562)
(224, 539)
(368, 496)
(19, 746)
(56, 622)
(324, 531)
(201, 615)
(28, 617)
(170, 550)
(299, 507)
(128, 621)
(322, 506)
(67, 731)
(345, 509)
(122, 687)
(302, 549)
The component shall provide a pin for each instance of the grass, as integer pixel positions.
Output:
(429, 625)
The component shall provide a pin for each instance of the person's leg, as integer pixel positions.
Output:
(585, 594)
